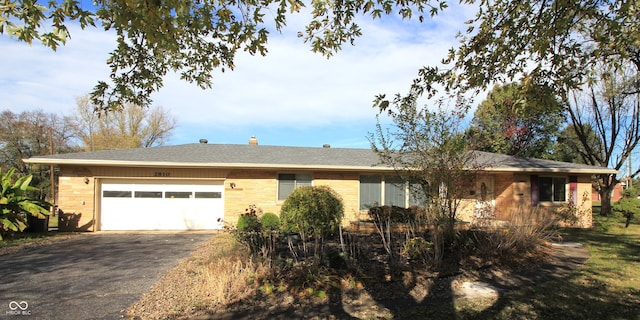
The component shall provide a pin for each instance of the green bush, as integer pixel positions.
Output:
(270, 222)
(248, 223)
(627, 207)
(312, 211)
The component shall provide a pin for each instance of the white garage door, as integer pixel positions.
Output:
(162, 206)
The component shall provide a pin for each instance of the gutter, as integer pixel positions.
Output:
(165, 164)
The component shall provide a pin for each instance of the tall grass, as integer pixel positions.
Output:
(523, 235)
(228, 280)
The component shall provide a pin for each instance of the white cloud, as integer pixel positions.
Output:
(289, 88)
(293, 86)
(35, 77)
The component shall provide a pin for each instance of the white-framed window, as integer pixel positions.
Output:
(378, 190)
(552, 189)
(289, 181)
(370, 191)
(395, 192)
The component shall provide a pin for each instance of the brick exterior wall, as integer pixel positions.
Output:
(76, 202)
(251, 187)
(261, 188)
(347, 185)
(79, 193)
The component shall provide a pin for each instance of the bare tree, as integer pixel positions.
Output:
(130, 127)
(159, 125)
(429, 151)
(33, 133)
(606, 119)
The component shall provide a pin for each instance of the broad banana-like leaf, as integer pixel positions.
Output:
(34, 209)
(22, 184)
(13, 225)
(13, 200)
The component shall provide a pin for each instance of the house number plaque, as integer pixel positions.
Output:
(161, 174)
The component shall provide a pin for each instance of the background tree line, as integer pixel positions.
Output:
(597, 125)
(35, 133)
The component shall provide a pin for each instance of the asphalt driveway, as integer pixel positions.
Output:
(89, 276)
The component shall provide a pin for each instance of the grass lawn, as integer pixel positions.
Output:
(53, 221)
(607, 287)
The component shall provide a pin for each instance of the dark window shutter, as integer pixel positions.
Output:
(573, 189)
(535, 189)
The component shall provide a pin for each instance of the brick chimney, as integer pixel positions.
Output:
(253, 141)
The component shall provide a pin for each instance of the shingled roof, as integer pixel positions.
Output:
(261, 156)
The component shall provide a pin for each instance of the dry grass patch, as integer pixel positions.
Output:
(218, 273)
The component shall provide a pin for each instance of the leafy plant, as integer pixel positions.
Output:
(248, 223)
(627, 207)
(387, 218)
(572, 214)
(15, 205)
(314, 212)
(270, 221)
(255, 231)
(417, 248)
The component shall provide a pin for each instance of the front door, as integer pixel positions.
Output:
(485, 198)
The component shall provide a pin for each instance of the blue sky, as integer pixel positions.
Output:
(291, 97)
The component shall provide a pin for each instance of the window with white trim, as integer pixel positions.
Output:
(289, 181)
(370, 191)
(378, 190)
(395, 192)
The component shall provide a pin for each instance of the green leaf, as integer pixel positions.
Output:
(14, 203)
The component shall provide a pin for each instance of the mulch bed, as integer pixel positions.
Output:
(375, 290)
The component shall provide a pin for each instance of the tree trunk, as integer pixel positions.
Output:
(605, 198)
(606, 184)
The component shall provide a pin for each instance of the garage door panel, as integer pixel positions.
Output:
(161, 206)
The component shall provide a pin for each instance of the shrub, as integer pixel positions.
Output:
(248, 223)
(313, 211)
(249, 233)
(571, 214)
(417, 248)
(270, 222)
(627, 207)
(385, 218)
(393, 214)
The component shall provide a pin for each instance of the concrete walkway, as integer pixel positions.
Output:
(564, 258)
(89, 276)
